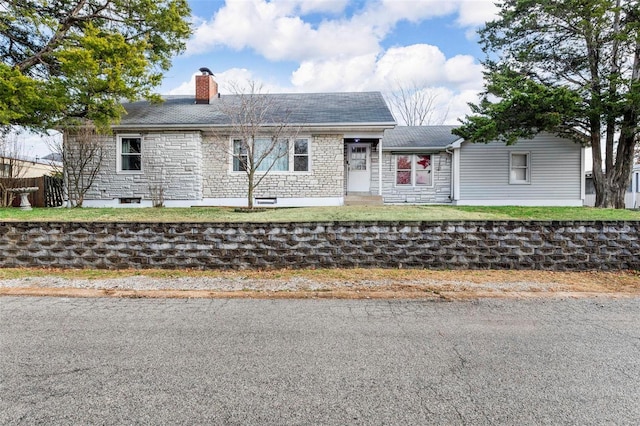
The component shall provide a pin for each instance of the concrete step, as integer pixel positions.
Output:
(363, 200)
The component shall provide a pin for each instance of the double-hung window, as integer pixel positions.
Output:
(520, 168)
(414, 170)
(301, 155)
(240, 156)
(129, 153)
(269, 155)
(5, 169)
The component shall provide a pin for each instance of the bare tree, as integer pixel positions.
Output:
(261, 132)
(157, 183)
(12, 156)
(12, 164)
(81, 150)
(416, 105)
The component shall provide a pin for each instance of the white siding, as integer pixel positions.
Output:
(556, 171)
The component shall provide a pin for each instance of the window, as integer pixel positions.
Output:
(414, 170)
(519, 168)
(240, 157)
(301, 155)
(130, 148)
(358, 157)
(5, 170)
(423, 170)
(276, 156)
(403, 170)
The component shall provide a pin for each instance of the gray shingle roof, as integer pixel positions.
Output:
(423, 137)
(304, 109)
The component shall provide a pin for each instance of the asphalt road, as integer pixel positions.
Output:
(142, 361)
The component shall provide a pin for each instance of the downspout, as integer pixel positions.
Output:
(634, 189)
(380, 167)
(453, 175)
(583, 174)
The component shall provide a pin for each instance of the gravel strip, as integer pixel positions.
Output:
(239, 284)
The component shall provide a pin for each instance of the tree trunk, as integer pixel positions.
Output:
(250, 191)
(618, 175)
(612, 193)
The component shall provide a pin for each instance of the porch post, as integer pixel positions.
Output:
(380, 167)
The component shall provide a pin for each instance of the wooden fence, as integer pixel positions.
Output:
(49, 193)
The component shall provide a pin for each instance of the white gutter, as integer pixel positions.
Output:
(342, 127)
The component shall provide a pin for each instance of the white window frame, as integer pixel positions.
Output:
(119, 154)
(414, 169)
(6, 169)
(527, 168)
(291, 158)
(292, 161)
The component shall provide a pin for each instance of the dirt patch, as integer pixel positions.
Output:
(322, 284)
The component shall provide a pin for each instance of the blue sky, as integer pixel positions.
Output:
(334, 46)
(338, 45)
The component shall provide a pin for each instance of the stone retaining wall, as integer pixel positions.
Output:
(575, 245)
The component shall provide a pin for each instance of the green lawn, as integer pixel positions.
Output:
(314, 214)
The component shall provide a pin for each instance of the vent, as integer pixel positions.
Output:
(130, 200)
(266, 201)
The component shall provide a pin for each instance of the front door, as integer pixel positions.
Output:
(359, 167)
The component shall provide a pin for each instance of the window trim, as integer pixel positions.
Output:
(290, 157)
(527, 168)
(119, 169)
(413, 160)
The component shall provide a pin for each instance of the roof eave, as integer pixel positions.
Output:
(306, 126)
(413, 148)
(456, 144)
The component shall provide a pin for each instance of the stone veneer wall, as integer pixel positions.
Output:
(439, 193)
(170, 160)
(323, 180)
(568, 245)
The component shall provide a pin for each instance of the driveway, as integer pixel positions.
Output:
(212, 361)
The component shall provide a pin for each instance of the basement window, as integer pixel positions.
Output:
(130, 200)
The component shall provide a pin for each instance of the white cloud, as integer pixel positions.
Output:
(463, 71)
(474, 13)
(277, 30)
(313, 6)
(344, 53)
(185, 88)
(277, 34)
(335, 75)
(419, 64)
(227, 80)
(456, 80)
(458, 106)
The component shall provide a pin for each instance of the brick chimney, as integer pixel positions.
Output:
(206, 86)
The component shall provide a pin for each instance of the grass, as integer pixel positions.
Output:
(315, 214)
